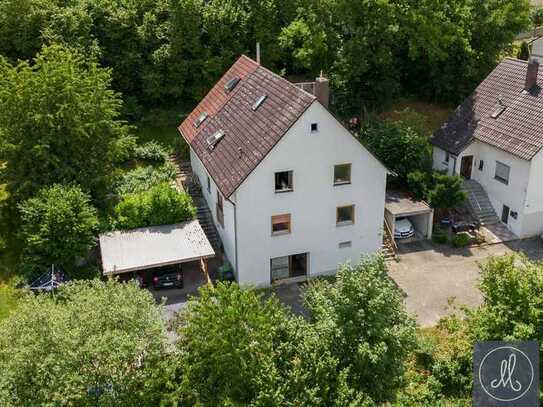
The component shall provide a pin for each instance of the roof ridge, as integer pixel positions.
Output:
(285, 80)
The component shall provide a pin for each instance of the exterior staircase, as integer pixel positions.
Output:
(479, 204)
(389, 248)
(189, 183)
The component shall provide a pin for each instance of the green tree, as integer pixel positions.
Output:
(398, 145)
(59, 123)
(231, 339)
(161, 205)
(91, 343)
(57, 225)
(446, 192)
(362, 321)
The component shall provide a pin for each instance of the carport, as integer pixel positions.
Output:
(145, 249)
(401, 204)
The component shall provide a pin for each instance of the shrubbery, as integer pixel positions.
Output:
(144, 178)
(461, 239)
(160, 205)
(151, 151)
(440, 236)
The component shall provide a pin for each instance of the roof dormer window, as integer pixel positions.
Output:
(231, 84)
(214, 139)
(259, 102)
(200, 119)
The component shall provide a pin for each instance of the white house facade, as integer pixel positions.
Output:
(313, 200)
(495, 139)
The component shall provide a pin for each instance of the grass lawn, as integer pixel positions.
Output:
(434, 114)
(160, 125)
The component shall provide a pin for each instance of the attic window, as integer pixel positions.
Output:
(259, 101)
(231, 84)
(500, 108)
(200, 119)
(214, 139)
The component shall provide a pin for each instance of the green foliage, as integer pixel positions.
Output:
(92, 343)
(440, 236)
(151, 151)
(537, 17)
(57, 225)
(461, 239)
(160, 205)
(59, 124)
(240, 348)
(398, 145)
(524, 52)
(10, 297)
(144, 178)
(362, 322)
(418, 183)
(447, 192)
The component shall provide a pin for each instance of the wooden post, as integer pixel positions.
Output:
(203, 267)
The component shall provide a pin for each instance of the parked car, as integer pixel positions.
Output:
(403, 229)
(168, 277)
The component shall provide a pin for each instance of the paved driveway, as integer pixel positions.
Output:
(430, 276)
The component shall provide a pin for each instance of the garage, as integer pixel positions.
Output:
(407, 218)
(168, 256)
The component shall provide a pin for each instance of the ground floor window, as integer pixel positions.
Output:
(288, 266)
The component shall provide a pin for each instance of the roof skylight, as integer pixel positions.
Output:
(214, 139)
(200, 119)
(259, 102)
(500, 108)
(231, 84)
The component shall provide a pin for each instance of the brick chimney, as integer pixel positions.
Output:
(531, 74)
(322, 90)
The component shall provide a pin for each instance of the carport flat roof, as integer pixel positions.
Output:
(402, 203)
(154, 246)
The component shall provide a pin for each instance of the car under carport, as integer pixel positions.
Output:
(401, 204)
(144, 253)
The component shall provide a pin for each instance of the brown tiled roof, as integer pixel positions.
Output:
(518, 130)
(249, 135)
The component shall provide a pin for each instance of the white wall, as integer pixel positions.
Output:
(514, 194)
(533, 212)
(313, 202)
(439, 157)
(226, 232)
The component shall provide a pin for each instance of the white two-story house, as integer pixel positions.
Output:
(494, 140)
(292, 192)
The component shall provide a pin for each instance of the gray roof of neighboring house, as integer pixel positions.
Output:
(249, 135)
(154, 246)
(517, 130)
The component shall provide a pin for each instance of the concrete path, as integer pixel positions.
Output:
(432, 275)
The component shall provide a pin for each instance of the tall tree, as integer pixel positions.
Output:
(58, 225)
(59, 123)
(92, 343)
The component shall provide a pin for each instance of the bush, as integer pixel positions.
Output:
(461, 239)
(93, 343)
(419, 183)
(161, 205)
(446, 192)
(57, 226)
(440, 236)
(151, 151)
(142, 179)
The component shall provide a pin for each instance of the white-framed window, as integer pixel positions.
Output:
(344, 245)
(208, 185)
(342, 174)
(502, 172)
(345, 215)
(283, 181)
(314, 127)
(220, 209)
(280, 224)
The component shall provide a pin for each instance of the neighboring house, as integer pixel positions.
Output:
(494, 138)
(293, 193)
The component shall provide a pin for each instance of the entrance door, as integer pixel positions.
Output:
(465, 166)
(505, 214)
(288, 266)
